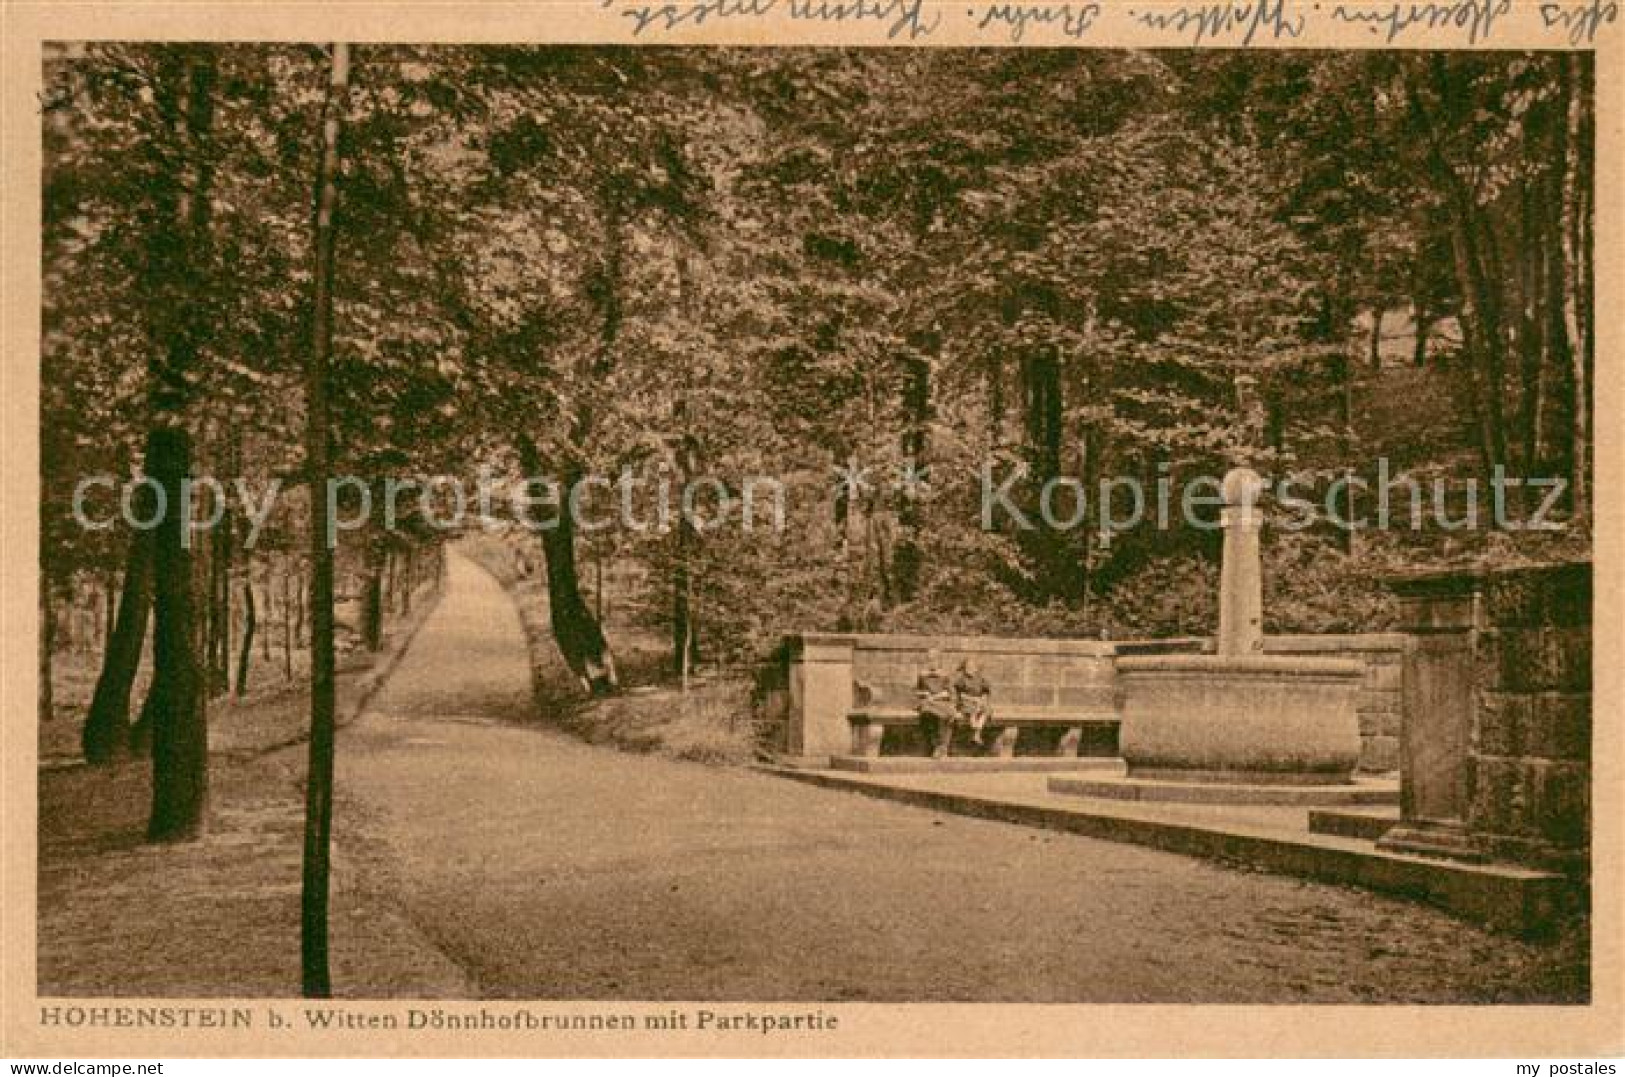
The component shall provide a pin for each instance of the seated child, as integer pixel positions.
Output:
(934, 692)
(974, 697)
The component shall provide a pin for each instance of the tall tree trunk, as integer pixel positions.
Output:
(1049, 549)
(579, 636)
(45, 699)
(246, 652)
(175, 713)
(372, 604)
(300, 593)
(683, 643)
(392, 583)
(219, 635)
(316, 978)
(1424, 328)
(1473, 247)
(109, 608)
(106, 734)
(1374, 352)
(598, 583)
(1575, 224)
(909, 556)
(685, 646)
(287, 626)
(267, 603)
(411, 574)
(175, 702)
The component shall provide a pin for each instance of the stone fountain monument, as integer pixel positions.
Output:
(1240, 716)
(1238, 725)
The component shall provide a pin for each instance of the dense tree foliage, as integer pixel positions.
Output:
(872, 276)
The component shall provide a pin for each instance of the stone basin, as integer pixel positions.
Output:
(1242, 719)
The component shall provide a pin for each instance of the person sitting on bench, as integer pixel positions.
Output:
(973, 697)
(934, 692)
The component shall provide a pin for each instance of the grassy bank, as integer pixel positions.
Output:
(236, 933)
(712, 722)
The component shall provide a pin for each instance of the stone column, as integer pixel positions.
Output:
(820, 696)
(1241, 587)
(1496, 750)
(1440, 612)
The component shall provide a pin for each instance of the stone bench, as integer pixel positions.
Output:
(870, 723)
(847, 690)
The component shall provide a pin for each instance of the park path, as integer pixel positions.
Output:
(546, 868)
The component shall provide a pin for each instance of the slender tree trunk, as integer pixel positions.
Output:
(1374, 355)
(1534, 342)
(47, 644)
(1472, 244)
(392, 583)
(1056, 572)
(909, 554)
(268, 605)
(1345, 380)
(287, 626)
(246, 652)
(1424, 328)
(687, 647)
(684, 645)
(106, 735)
(299, 619)
(372, 605)
(1575, 271)
(316, 977)
(219, 636)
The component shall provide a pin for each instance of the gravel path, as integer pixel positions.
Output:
(546, 868)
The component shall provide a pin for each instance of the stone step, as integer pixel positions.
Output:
(1362, 791)
(1020, 764)
(1365, 825)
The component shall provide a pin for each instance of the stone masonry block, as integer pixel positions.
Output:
(1498, 800)
(1513, 600)
(1379, 754)
(1100, 698)
(1022, 696)
(1535, 659)
(1088, 672)
(1554, 596)
(1499, 723)
(1386, 677)
(1557, 726)
(1559, 802)
(1376, 701)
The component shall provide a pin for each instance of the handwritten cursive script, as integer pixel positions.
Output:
(898, 15)
(1476, 17)
(671, 16)
(1243, 20)
(1582, 20)
(1073, 21)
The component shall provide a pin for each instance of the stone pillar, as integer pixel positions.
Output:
(1241, 586)
(820, 696)
(1496, 748)
(1531, 749)
(1440, 614)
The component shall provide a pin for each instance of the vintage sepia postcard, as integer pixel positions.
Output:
(812, 528)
